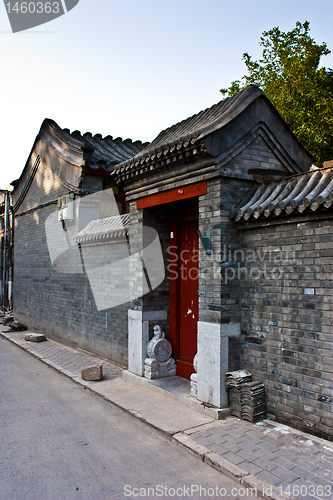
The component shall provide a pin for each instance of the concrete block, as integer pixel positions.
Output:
(35, 337)
(138, 339)
(94, 372)
(213, 361)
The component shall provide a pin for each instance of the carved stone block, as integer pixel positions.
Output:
(159, 369)
(159, 364)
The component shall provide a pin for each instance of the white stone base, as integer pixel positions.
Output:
(194, 385)
(213, 361)
(138, 338)
(157, 369)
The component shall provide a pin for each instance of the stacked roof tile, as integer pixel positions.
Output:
(310, 190)
(107, 151)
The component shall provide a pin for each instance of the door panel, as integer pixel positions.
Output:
(188, 291)
(184, 298)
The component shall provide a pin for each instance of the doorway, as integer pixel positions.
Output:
(184, 284)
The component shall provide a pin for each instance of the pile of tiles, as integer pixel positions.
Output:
(247, 399)
(234, 382)
(253, 401)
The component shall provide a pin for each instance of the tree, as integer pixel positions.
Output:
(301, 91)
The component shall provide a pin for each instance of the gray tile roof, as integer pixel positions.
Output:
(107, 151)
(310, 190)
(103, 229)
(195, 128)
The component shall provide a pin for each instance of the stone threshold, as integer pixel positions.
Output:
(177, 389)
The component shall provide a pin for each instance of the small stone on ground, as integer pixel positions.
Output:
(34, 337)
(94, 372)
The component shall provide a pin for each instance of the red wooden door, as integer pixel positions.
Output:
(184, 297)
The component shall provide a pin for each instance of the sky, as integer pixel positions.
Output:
(131, 68)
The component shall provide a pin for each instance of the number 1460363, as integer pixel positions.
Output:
(33, 7)
(311, 490)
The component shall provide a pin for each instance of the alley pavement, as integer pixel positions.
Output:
(277, 461)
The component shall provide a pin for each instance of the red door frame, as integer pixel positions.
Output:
(189, 195)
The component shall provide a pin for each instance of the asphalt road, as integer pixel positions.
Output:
(60, 442)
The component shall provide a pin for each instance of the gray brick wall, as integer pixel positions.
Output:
(256, 155)
(159, 298)
(286, 307)
(220, 302)
(57, 304)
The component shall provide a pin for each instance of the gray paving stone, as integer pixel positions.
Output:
(303, 462)
(284, 463)
(206, 441)
(221, 440)
(250, 467)
(265, 464)
(250, 447)
(253, 441)
(285, 454)
(205, 434)
(218, 449)
(323, 482)
(314, 451)
(286, 475)
(267, 476)
(283, 487)
(324, 473)
(249, 455)
(268, 447)
(232, 447)
(322, 463)
(272, 441)
(304, 490)
(232, 457)
(302, 473)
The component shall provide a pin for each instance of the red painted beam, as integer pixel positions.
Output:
(177, 194)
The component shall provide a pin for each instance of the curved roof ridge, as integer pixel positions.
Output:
(183, 127)
(112, 150)
(200, 124)
(77, 151)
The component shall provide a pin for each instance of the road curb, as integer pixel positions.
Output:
(243, 477)
(183, 439)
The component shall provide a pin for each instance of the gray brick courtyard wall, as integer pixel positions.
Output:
(159, 298)
(286, 306)
(60, 305)
(219, 301)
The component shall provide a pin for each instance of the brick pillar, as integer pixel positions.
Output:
(219, 312)
(213, 361)
(149, 296)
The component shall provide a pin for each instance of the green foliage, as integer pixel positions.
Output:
(289, 74)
